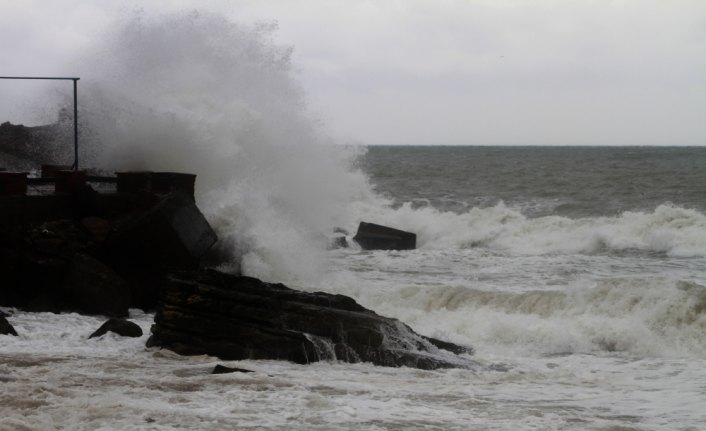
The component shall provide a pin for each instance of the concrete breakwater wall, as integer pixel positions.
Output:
(65, 246)
(71, 247)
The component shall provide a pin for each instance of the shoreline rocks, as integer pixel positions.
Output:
(94, 253)
(122, 327)
(236, 317)
(6, 328)
(102, 254)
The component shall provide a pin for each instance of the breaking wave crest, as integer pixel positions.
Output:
(640, 316)
(669, 229)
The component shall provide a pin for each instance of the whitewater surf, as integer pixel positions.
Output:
(577, 274)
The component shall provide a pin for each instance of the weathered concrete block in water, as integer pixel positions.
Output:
(236, 317)
(372, 236)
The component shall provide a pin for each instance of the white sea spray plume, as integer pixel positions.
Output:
(194, 92)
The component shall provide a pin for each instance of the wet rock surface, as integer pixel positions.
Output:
(96, 254)
(6, 328)
(121, 327)
(236, 317)
(371, 236)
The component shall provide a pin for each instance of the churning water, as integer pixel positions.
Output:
(578, 274)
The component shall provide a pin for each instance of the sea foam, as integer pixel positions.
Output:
(638, 316)
(668, 229)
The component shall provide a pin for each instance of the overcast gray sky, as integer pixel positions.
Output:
(439, 71)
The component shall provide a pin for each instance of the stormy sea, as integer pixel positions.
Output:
(578, 274)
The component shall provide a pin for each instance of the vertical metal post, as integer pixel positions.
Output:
(75, 124)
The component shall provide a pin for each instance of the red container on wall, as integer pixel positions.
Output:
(69, 181)
(13, 183)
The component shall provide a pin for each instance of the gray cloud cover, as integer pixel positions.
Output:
(438, 71)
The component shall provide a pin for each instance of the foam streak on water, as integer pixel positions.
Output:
(55, 377)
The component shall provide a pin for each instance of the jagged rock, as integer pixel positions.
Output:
(145, 247)
(31, 280)
(6, 328)
(372, 236)
(121, 327)
(96, 253)
(237, 317)
(222, 369)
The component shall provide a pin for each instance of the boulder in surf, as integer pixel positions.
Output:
(6, 328)
(122, 327)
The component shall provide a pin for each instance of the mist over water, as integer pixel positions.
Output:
(577, 274)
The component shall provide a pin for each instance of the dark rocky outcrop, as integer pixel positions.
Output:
(95, 288)
(6, 328)
(96, 253)
(236, 317)
(50, 267)
(372, 236)
(146, 246)
(121, 327)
